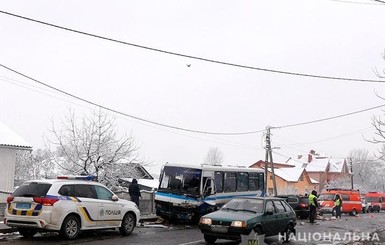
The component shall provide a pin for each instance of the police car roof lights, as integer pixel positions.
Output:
(77, 177)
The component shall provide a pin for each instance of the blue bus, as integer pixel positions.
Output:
(187, 192)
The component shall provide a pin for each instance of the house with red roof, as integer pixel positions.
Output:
(303, 174)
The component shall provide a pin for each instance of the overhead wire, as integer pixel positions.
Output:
(353, 2)
(175, 127)
(379, 1)
(328, 118)
(47, 92)
(191, 56)
(125, 114)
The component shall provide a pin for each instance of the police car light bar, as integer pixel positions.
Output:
(77, 177)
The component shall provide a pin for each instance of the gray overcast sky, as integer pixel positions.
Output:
(320, 37)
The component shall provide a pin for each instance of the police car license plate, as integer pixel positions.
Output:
(23, 205)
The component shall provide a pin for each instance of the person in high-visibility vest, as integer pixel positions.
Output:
(338, 206)
(313, 203)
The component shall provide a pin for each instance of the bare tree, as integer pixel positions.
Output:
(367, 171)
(382, 73)
(214, 157)
(91, 145)
(32, 165)
(361, 165)
(340, 183)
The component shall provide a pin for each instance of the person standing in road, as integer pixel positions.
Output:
(134, 192)
(338, 206)
(313, 206)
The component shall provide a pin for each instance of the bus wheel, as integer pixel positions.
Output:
(354, 212)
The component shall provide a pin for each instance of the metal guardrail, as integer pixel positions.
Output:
(146, 204)
(6, 192)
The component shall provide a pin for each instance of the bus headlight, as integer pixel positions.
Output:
(205, 221)
(237, 223)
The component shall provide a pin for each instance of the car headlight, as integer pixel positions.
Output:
(237, 223)
(205, 221)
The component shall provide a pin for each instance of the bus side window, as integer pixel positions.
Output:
(219, 181)
(208, 186)
(230, 183)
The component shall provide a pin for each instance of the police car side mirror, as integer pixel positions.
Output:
(114, 198)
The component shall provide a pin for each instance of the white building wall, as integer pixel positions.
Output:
(7, 171)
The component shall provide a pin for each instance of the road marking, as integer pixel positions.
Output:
(195, 242)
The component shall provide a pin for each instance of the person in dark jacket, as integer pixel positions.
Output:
(313, 203)
(134, 192)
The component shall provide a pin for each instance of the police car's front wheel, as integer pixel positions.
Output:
(128, 224)
(70, 227)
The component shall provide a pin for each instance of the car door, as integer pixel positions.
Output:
(270, 218)
(87, 204)
(110, 212)
(282, 217)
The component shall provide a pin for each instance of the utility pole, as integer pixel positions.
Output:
(351, 171)
(269, 158)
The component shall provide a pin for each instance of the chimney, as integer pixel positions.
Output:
(309, 158)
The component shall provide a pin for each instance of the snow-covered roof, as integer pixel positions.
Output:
(289, 174)
(10, 138)
(318, 165)
(313, 181)
(337, 165)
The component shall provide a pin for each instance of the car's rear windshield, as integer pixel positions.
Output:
(32, 189)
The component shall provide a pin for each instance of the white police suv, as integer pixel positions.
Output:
(68, 205)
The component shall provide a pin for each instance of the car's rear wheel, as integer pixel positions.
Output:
(27, 233)
(354, 212)
(287, 234)
(128, 224)
(70, 227)
(209, 238)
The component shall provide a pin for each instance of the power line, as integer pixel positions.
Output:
(125, 114)
(330, 118)
(353, 2)
(191, 56)
(208, 139)
(378, 1)
(175, 127)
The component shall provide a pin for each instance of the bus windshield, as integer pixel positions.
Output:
(180, 180)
